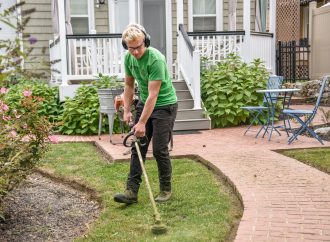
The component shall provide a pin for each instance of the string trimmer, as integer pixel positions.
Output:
(130, 141)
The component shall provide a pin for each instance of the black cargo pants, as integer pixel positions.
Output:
(159, 128)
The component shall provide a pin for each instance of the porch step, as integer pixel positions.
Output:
(190, 114)
(188, 118)
(185, 104)
(192, 124)
(180, 85)
(183, 94)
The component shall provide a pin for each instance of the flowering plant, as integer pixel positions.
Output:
(24, 138)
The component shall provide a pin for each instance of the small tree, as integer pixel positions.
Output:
(12, 55)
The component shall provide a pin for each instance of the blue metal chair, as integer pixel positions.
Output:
(309, 115)
(258, 112)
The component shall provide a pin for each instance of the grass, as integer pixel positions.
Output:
(202, 208)
(316, 157)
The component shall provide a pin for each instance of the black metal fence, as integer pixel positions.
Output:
(293, 60)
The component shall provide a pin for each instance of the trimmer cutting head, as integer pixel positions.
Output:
(159, 228)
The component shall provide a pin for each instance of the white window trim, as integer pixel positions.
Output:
(219, 15)
(90, 15)
(111, 14)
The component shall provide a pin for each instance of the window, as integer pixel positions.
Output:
(79, 16)
(204, 15)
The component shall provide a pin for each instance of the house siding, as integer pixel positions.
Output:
(102, 19)
(40, 27)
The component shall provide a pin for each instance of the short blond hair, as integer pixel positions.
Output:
(133, 32)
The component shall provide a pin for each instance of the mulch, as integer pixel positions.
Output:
(43, 210)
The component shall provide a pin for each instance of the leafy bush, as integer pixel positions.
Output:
(228, 86)
(49, 97)
(81, 114)
(23, 139)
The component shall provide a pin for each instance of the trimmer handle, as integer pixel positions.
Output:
(130, 139)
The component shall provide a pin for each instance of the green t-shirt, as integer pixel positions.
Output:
(151, 67)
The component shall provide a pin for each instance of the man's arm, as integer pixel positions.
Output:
(153, 90)
(128, 97)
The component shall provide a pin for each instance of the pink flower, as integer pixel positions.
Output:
(6, 118)
(27, 93)
(13, 133)
(4, 107)
(53, 139)
(3, 90)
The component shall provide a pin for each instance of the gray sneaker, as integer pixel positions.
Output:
(163, 196)
(127, 197)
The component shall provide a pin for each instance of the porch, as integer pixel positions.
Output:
(80, 57)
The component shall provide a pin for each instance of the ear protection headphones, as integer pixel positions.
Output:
(146, 36)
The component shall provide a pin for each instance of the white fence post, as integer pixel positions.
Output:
(93, 53)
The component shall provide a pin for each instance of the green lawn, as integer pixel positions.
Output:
(316, 157)
(203, 208)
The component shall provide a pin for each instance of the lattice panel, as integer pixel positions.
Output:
(287, 20)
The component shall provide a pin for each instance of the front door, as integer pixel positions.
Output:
(152, 17)
(121, 15)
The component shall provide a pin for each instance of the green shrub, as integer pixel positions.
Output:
(228, 86)
(81, 114)
(48, 97)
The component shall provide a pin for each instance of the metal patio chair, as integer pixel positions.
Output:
(258, 112)
(305, 117)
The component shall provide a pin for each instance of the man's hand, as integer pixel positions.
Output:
(139, 129)
(128, 117)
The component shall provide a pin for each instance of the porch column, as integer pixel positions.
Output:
(219, 12)
(179, 20)
(246, 27)
(62, 34)
(132, 12)
(272, 29)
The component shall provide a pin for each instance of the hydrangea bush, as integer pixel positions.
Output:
(24, 138)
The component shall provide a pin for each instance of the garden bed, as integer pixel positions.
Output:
(43, 210)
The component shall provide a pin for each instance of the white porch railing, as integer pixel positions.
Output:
(189, 66)
(261, 45)
(55, 61)
(89, 55)
(215, 46)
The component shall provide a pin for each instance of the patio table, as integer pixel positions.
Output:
(272, 96)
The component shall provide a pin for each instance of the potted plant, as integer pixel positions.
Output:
(108, 87)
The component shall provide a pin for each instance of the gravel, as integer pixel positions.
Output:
(41, 209)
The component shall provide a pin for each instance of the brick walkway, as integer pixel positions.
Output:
(284, 200)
